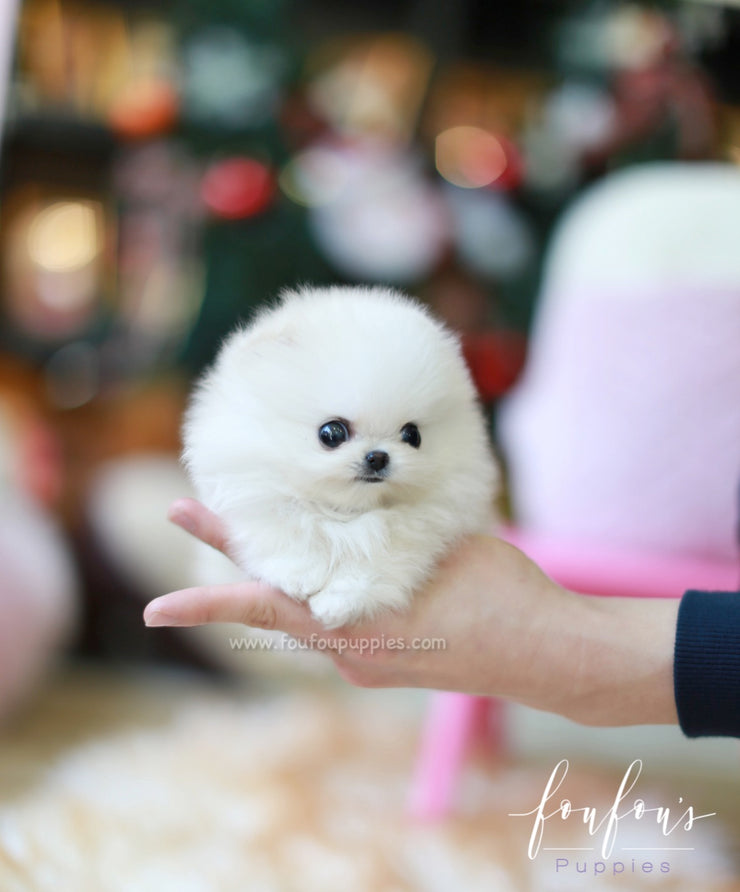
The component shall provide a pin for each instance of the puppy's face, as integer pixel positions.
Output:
(364, 462)
(375, 466)
(347, 412)
(348, 442)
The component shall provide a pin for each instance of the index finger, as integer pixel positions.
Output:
(200, 522)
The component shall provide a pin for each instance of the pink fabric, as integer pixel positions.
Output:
(596, 569)
(625, 427)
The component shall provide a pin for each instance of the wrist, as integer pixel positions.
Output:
(613, 660)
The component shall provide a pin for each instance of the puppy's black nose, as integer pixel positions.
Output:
(377, 460)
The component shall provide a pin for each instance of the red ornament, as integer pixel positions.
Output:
(513, 174)
(495, 359)
(237, 188)
(144, 109)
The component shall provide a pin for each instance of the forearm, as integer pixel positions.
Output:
(611, 660)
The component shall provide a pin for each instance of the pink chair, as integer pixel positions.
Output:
(622, 436)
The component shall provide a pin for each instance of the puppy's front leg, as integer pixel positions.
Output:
(387, 557)
(292, 560)
(343, 602)
(365, 589)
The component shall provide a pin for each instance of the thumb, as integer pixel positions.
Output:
(251, 603)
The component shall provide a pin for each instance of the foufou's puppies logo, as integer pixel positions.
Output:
(605, 826)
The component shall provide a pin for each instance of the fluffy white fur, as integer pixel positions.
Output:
(297, 513)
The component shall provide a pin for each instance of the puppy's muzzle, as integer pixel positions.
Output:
(375, 466)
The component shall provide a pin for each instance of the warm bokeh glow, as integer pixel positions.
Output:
(65, 236)
(469, 157)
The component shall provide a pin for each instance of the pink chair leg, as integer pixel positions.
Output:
(453, 723)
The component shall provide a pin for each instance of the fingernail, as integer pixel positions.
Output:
(181, 518)
(158, 618)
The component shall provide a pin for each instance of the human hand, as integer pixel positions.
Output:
(489, 622)
(483, 606)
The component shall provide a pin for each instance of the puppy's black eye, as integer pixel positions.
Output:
(410, 434)
(333, 434)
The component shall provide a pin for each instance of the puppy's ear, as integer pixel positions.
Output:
(279, 334)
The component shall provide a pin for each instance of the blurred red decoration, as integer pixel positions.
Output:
(495, 359)
(513, 174)
(31, 450)
(41, 472)
(144, 109)
(237, 188)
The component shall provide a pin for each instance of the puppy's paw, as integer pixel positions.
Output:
(341, 605)
(300, 588)
(299, 582)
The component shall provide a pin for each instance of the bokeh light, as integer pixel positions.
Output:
(237, 188)
(469, 157)
(372, 87)
(72, 374)
(385, 222)
(316, 176)
(65, 236)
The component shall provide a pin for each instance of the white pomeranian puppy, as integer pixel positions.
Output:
(339, 438)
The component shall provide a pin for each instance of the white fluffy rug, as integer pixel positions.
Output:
(176, 788)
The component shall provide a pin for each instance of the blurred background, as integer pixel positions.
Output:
(167, 166)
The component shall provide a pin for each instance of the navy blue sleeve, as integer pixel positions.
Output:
(706, 668)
